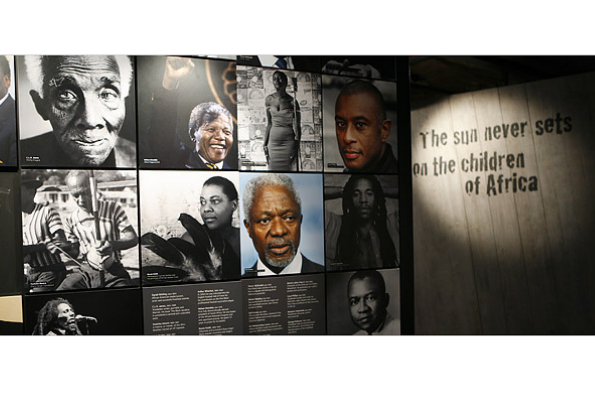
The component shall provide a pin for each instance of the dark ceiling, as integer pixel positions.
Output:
(433, 77)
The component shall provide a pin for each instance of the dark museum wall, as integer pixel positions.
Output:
(506, 249)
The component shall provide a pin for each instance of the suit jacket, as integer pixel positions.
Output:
(308, 267)
(8, 133)
(51, 154)
(195, 162)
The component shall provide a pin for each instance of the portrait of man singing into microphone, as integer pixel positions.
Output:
(96, 312)
(57, 317)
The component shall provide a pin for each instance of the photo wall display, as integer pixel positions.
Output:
(119, 203)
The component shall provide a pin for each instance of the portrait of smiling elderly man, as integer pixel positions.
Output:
(83, 98)
(186, 113)
(273, 219)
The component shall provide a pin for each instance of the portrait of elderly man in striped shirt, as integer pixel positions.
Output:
(43, 234)
(99, 231)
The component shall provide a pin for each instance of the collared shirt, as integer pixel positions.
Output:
(295, 267)
(4, 99)
(219, 165)
(390, 326)
(112, 221)
(40, 226)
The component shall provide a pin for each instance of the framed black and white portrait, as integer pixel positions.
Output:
(361, 221)
(279, 120)
(77, 111)
(79, 229)
(190, 226)
(363, 302)
(187, 113)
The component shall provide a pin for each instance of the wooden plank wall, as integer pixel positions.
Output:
(507, 262)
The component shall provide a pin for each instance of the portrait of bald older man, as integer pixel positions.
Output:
(84, 100)
(274, 218)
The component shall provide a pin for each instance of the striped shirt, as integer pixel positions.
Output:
(80, 227)
(40, 226)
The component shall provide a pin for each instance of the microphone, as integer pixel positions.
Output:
(86, 319)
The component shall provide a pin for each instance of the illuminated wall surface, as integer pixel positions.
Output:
(108, 158)
(503, 191)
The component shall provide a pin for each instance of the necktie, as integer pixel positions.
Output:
(212, 166)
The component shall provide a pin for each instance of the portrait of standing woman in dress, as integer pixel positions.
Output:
(283, 132)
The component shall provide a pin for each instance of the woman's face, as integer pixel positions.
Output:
(279, 81)
(216, 209)
(66, 320)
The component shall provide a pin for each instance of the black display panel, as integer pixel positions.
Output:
(199, 309)
(290, 305)
(11, 277)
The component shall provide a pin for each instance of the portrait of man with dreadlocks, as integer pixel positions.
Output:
(365, 235)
